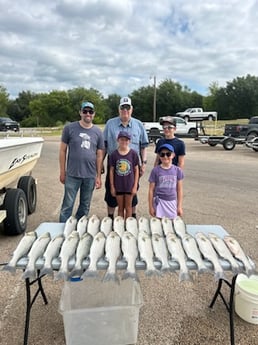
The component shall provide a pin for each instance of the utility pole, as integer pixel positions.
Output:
(154, 100)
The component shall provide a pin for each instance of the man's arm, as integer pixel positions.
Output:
(62, 161)
(99, 165)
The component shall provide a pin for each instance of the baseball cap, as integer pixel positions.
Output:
(166, 146)
(124, 134)
(125, 100)
(87, 105)
(168, 119)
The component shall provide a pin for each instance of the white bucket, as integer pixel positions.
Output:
(246, 298)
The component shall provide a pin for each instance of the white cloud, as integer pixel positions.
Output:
(115, 46)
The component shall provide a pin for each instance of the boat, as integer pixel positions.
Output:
(18, 195)
(18, 156)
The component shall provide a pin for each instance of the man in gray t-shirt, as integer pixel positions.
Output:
(80, 160)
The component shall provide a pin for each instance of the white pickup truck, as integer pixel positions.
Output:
(195, 114)
(183, 129)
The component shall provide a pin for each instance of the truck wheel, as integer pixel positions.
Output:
(15, 204)
(229, 144)
(28, 185)
(193, 132)
(255, 144)
(251, 136)
(212, 144)
(210, 117)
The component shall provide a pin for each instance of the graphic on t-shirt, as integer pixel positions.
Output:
(167, 181)
(123, 167)
(85, 140)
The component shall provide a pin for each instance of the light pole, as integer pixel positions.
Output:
(154, 100)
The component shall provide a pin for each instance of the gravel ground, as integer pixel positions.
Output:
(219, 188)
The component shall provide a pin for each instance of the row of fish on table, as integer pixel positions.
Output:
(145, 239)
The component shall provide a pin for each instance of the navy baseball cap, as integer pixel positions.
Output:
(167, 146)
(124, 134)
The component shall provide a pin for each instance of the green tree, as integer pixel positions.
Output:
(4, 99)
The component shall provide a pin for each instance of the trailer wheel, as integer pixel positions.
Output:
(193, 132)
(15, 204)
(212, 144)
(28, 185)
(229, 144)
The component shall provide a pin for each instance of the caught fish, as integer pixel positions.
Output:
(179, 226)
(224, 252)
(161, 251)
(93, 225)
(113, 252)
(238, 253)
(209, 253)
(146, 253)
(177, 253)
(37, 250)
(132, 226)
(193, 253)
(119, 225)
(82, 252)
(21, 250)
(82, 225)
(155, 226)
(50, 253)
(144, 225)
(167, 226)
(106, 225)
(70, 225)
(96, 252)
(130, 253)
(67, 251)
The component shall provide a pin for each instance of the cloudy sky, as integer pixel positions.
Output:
(117, 46)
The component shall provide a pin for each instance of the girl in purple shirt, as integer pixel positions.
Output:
(166, 186)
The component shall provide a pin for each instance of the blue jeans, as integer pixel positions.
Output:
(72, 185)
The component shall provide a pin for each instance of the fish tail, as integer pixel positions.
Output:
(46, 270)
(89, 274)
(236, 269)
(152, 272)
(77, 272)
(111, 277)
(131, 275)
(185, 276)
(62, 275)
(219, 275)
(29, 273)
(204, 269)
(9, 268)
(250, 271)
(166, 270)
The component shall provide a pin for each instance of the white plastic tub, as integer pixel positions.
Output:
(246, 298)
(97, 313)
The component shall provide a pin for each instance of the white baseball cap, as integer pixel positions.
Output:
(125, 100)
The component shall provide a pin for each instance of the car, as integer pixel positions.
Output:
(7, 124)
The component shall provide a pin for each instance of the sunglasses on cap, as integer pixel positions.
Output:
(85, 111)
(169, 127)
(165, 154)
(125, 107)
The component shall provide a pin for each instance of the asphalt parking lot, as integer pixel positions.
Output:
(220, 188)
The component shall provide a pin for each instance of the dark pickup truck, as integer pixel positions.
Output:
(248, 131)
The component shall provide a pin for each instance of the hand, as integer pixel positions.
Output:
(98, 183)
(142, 169)
(180, 211)
(62, 177)
(152, 211)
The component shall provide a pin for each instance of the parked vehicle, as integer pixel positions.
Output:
(195, 114)
(248, 131)
(7, 124)
(183, 129)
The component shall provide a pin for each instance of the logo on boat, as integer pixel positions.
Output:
(21, 160)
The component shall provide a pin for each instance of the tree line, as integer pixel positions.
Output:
(238, 99)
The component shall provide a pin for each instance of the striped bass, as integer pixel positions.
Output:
(51, 252)
(96, 252)
(130, 253)
(179, 226)
(155, 226)
(93, 225)
(21, 250)
(177, 253)
(238, 253)
(82, 225)
(113, 252)
(167, 226)
(224, 252)
(161, 252)
(67, 251)
(144, 225)
(209, 253)
(106, 225)
(119, 225)
(70, 225)
(82, 251)
(193, 253)
(146, 253)
(132, 226)
(37, 250)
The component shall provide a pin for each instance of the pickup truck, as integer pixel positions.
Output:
(248, 131)
(183, 129)
(195, 114)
